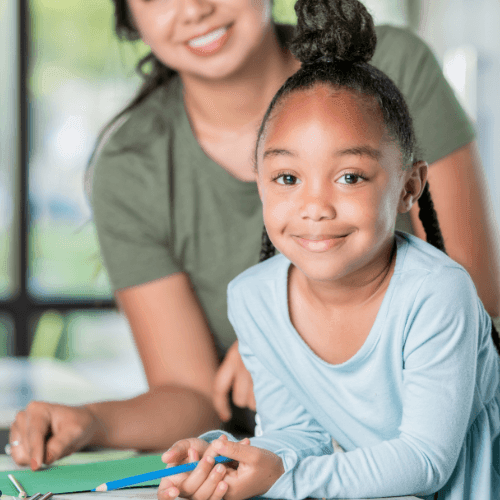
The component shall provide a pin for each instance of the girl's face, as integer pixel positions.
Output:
(332, 183)
(206, 38)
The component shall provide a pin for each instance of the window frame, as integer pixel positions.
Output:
(21, 307)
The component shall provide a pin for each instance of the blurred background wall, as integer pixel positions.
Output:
(53, 288)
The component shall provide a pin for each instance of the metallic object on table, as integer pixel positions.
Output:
(46, 496)
(36, 496)
(17, 484)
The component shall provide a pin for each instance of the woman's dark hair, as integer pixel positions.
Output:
(157, 74)
(334, 40)
(153, 72)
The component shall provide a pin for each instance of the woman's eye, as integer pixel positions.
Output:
(287, 179)
(350, 179)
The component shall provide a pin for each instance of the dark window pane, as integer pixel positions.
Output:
(6, 335)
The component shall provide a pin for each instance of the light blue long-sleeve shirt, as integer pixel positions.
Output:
(417, 408)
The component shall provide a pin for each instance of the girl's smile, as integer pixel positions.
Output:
(320, 243)
(332, 183)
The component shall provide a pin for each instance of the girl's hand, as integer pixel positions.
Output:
(186, 450)
(192, 484)
(257, 471)
(232, 375)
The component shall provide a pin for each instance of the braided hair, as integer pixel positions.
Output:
(335, 40)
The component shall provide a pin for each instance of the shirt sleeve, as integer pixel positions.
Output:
(441, 124)
(287, 429)
(131, 214)
(439, 367)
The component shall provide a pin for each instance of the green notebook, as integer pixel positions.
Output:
(81, 477)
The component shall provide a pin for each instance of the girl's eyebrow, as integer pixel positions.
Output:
(356, 150)
(360, 151)
(278, 152)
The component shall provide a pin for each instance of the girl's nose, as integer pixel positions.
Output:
(196, 10)
(318, 203)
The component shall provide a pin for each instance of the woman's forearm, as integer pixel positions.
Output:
(153, 421)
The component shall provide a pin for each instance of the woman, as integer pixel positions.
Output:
(178, 214)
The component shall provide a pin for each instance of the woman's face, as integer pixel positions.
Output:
(331, 184)
(204, 38)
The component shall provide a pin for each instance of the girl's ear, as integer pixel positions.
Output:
(416, 179)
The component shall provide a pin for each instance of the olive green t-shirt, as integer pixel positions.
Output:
(162, 206)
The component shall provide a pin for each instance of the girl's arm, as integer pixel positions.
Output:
(290, 433)
(466, 217)
(179, 359)
(440, 358)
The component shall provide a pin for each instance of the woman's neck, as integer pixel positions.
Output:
(242, 98)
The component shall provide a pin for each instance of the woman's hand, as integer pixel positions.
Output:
(46, 432)
(232, 374)
(257, 471)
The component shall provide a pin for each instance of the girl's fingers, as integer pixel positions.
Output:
(209, 487)
(177, 453)
(196, 478)
(240, 452)
(211, 452)
(220, 491)
(166, 490)
(193, 455)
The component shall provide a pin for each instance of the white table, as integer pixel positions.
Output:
(22, 380)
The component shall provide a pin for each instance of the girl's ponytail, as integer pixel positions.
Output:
(429, 220)
(340, 30)
(267, 249)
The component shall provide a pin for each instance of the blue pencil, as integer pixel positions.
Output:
(149, 476)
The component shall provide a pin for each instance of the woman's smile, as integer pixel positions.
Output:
(210, 42)
(209, 38)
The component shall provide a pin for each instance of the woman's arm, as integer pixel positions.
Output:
(179, 359)
(180, 362)
(463, 205)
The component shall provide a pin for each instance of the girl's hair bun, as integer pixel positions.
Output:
(339, 30)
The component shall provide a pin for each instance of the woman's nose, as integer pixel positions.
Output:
(318, 203)
(196, 10)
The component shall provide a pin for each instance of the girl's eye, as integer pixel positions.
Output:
(287, 179)
(350, 179)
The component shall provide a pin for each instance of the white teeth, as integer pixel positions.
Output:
(208, 38)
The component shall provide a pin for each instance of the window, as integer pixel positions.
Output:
(66, 76)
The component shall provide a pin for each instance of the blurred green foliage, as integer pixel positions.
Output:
(283, 11)
(75, 38)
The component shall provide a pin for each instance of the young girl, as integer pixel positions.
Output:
(177, 219)
(355, 331)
